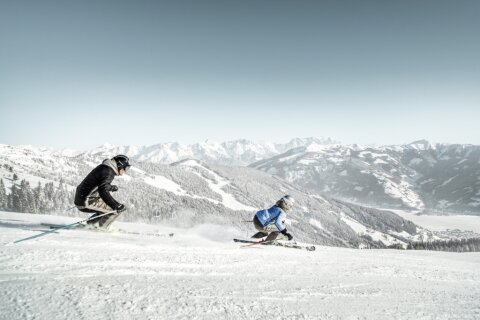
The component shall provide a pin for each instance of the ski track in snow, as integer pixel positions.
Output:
(79, 274)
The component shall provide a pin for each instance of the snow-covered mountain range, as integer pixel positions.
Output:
(238, 152)
(441, 178)
(190, 192)
(417, 175)
(438, 178)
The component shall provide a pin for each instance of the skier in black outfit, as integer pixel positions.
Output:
(93, 194)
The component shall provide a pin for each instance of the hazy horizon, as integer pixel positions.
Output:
(78, 74)
(217, 141)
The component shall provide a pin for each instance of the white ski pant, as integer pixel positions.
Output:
(95, 203)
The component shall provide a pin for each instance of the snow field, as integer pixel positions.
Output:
(440, 223)
(79, 274)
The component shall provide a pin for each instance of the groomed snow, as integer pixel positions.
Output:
(201, 274)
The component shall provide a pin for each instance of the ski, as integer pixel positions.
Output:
(145, 234)
(294, 245)
(281, 243)
(87, 228)
(247, 241)
(60, 227)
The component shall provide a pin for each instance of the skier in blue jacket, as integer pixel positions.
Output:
(271, 222)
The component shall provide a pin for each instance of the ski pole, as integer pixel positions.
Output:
(44, 233)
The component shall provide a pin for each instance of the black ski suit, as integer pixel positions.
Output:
(101, 177)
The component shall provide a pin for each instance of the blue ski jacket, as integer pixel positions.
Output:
(274, 215)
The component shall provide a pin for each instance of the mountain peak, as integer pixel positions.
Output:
(188, 163)
(107, 145)
(420, 144)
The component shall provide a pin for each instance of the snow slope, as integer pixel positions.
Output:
(200, 274)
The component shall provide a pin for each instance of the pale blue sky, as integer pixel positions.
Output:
(80, 73)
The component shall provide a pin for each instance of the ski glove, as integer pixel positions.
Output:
(121, 208)
(286, 234)
(113, 188)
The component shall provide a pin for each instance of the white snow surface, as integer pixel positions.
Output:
(441, 223)
(199, 273)
(375, 235)
(163, 183)
(228, 200)
(219, 182)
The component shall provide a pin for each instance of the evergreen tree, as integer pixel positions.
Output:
(49, 194)
(38, 198)
(23, 196)
(14, 201)
(61, 196)
(49, 191)
(3, 195)
(28, 195)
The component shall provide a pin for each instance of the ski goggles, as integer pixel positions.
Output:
(125, 168)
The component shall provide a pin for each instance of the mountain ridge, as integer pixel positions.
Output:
(442, 178)
(439, 178)
(191, 191)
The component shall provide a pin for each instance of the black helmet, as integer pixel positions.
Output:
(122, 162)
